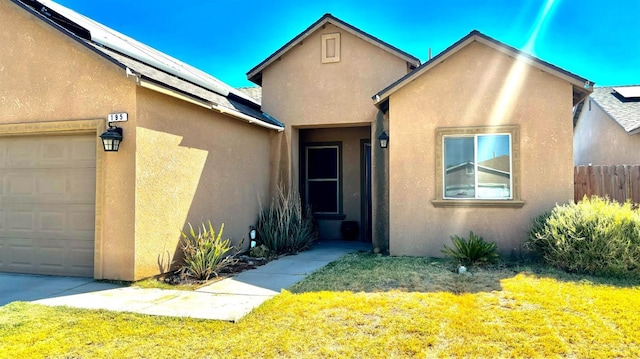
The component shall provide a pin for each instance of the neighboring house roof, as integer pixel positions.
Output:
(151, 68)
(581, 86)
(622, 104)
(500, 165)
(255, 74)
(254, 92)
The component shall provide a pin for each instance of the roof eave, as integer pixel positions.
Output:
(255, 74)
(581, 86)
(153, 85)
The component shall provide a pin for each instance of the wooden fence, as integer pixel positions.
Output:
(618, 182)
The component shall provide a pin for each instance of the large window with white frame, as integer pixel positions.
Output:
(477, 165)
(322, 178)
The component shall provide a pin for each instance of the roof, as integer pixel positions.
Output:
(150, 67)
(500, 165)
(255, 74)
(581, 86)
(622, 104)
(253, 91)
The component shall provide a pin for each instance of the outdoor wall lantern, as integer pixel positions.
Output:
(384, 139)
(111, 138)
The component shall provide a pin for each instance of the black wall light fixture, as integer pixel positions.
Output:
(384, 139)
(111, 138)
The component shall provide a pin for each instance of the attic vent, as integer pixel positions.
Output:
(330, 48)
(628, 92)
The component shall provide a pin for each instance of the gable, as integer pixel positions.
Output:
(581, 86)
(32, 80)
(148, 67)
(255, 74)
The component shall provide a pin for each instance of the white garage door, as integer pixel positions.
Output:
(47, 204)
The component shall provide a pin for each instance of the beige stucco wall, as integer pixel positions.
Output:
(599, 140)
(477, 86)
(302, 92)
(178, 162)
(194, 165)
(47, 77)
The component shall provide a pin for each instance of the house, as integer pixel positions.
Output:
(477, 101)
(478, 139)
(319, 85)
(606, 127)
(70, 208)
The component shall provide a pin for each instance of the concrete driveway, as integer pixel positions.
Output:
(27, 287)
(229, 299)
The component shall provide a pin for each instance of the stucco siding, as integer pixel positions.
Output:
(303, 92)
(599, 140)
(300, 90)
(477, 86)
(193, 165)
(47, 77)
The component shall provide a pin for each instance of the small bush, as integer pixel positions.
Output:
(472, 252)
(260, 251)
(286, 226)
(205, 253)
(595, 236)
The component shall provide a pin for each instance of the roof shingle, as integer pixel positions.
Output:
(625, 111)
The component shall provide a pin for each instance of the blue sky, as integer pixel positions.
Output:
(595, 39)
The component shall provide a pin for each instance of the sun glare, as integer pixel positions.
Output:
(514, 81)
(509, 92)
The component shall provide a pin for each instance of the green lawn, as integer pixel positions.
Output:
(364, 306)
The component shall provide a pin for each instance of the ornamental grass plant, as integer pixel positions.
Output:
(286, 226)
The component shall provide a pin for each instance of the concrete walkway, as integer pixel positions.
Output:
(229, 299)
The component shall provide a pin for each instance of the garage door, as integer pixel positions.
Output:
(47, 204)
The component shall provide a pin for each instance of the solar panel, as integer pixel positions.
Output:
(628, 91)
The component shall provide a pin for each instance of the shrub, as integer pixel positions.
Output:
(472, 252)
(205, 253)
(260, 251)
(595, 236)
(286, 226)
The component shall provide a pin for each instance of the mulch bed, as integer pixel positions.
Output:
(242, 264)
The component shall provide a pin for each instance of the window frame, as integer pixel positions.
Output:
(326, 59)
(441, 133)
(338, 179)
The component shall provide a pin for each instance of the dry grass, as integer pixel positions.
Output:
(377, 273)
(500, 315)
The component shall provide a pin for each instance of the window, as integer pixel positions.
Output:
(477, 166)
(322, 178)
(330, 48)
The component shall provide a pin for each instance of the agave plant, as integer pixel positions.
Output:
(205, 253)
(471, 252)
